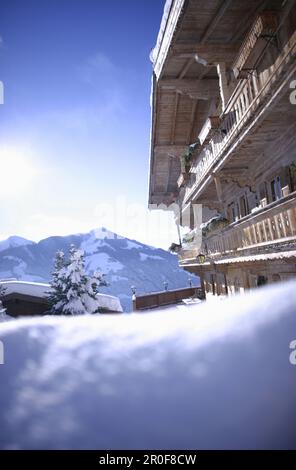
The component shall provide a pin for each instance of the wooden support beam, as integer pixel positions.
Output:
(170, 166)
(223, 84)
(233, 169)
(218, 188)
(170, 150)
(186, 67)
(211, 204)
(192, 121)
(214, 22)
(161, 198)
(212, 53)
(205, 71)
(206, 202)
(174, 120)
(192, 58)
(196, 89)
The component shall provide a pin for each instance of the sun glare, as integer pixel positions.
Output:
(17, 170)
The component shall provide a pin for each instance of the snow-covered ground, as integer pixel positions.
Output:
(217, 375)
(3, 316)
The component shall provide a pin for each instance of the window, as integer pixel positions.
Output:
(243, 203)
(213, 284)
(292, 176)
(261, 281)
(236, 285)
(225, 284)
(238, 209)
(276, 189)
(192, 218)
(231, 212)
(263, 194)
(232, 208)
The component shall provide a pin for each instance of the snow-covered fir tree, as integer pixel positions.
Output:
(58, 296)
(2, 291)
(72, 291)
(75, 284)
(2, 309)
(3, 316)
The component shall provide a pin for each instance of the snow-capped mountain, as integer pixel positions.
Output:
(13, 242)
(125, 262)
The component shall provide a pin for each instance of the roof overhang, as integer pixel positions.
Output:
(194, 37)
(171, 17)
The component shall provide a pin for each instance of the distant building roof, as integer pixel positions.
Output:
(33, 289)
(110, 303)
(40, 290)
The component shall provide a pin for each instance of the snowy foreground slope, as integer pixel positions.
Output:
(125, 262)
(212, 376)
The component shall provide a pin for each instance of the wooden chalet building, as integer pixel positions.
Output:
(224, 136)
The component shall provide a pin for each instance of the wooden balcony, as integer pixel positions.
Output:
(271, 225)
(266, 230)
(183, 178)
(191, 251)
(262, 30)
(211, 125)
(245, 103)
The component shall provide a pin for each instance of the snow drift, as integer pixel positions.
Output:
(216, 375)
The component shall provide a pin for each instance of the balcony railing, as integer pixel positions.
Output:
(183, 178)
(255, 42)
(248, 97)
(210, 126)
(261, 230)
(160, 299)
(274, 223)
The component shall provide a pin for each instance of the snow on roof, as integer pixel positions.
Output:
(170, 18)
(263, 257)
(110, 302)
(163, 24)
(36, 289)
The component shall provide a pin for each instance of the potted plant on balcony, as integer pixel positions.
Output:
(185, 164)
(188, 157)
(218, 222)
(175, 248)
(188, 237)
(292, 168)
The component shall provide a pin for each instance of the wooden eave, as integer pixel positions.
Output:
(195, 32)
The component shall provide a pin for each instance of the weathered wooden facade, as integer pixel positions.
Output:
(224, 80)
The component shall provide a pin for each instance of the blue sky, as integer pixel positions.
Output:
(75, 123)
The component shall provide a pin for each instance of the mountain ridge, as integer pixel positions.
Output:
(13, 242)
